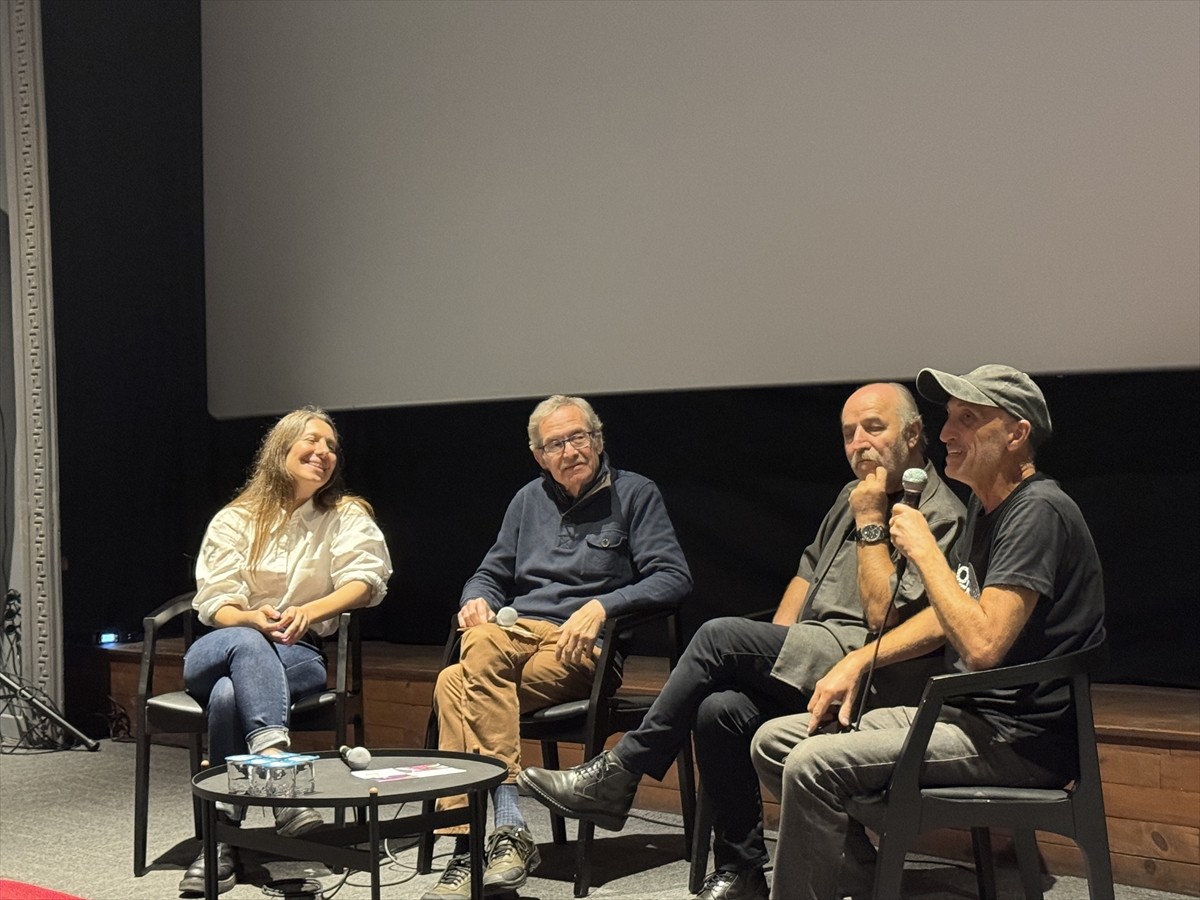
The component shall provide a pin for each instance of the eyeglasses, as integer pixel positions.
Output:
(578, 440)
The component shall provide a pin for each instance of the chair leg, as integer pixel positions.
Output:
(1028, 863)
(583, 858)
(558, 826)
(985, 869)
(195, 756)
(687, 797)
(701, 837)
(141, 802)
(425, 844)
(1097, 863)
(427, 839)
(1091, 835)
(889, 864)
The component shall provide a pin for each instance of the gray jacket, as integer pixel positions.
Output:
(831, 622)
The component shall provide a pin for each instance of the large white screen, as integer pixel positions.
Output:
(424, 202)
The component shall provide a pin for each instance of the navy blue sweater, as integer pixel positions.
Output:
(553, 554)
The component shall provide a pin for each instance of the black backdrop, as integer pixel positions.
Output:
(746, 474)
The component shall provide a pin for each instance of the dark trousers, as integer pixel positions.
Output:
(723, 689)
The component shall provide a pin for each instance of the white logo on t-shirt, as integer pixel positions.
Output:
(967, 580)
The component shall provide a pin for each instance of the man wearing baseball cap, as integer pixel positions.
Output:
(735, 672)
(1024, 584)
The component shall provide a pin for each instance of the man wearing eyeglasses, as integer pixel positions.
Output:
(581, 543)
(737, 673)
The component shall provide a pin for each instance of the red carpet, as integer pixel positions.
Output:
(15, 890)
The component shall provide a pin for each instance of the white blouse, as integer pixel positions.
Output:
(308, 556)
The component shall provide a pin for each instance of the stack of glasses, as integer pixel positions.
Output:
(286, 775)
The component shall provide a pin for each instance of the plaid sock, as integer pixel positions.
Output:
(505, 809)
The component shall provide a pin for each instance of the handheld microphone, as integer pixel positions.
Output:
(914, 481)
(355, 757)
(507, 616)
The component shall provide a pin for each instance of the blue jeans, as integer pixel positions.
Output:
(247, 683)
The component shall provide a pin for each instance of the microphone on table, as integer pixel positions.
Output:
(355, 757)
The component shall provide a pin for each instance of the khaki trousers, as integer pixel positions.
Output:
(822, 853)
(502, 673)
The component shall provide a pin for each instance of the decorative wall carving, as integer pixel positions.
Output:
(36, 556)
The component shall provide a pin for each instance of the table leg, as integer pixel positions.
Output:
(373, 832)
(208, 839)
(477, 803)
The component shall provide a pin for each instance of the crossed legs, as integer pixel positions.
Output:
(247, 684)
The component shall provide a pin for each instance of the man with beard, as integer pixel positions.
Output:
(737, 673)
(1024, 584)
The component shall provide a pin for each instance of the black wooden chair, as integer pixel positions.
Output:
(590, 722)
(1076, 811)
(176, 712)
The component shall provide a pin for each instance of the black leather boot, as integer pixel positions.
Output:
(193, 878)
(747, 884)
(600, 790)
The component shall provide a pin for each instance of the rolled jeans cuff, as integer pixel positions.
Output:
(268, 737)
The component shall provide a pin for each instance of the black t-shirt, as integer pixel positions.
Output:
(1036, 539)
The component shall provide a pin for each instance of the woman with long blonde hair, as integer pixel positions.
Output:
(277, 566)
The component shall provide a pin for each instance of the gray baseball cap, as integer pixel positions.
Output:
(992, 385)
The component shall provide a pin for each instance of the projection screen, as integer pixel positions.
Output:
(412, 203)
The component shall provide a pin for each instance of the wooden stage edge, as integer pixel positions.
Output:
(1149, 740)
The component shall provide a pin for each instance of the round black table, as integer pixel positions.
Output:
(339, 790)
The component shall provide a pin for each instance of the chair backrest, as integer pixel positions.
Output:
(351, 623)
(348, 675)
(178, 607)
(617, 637)
(1085, 724)
(906, 808)
(610, 664)
(1076, 667)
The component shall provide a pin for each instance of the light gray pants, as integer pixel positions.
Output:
(821, 850)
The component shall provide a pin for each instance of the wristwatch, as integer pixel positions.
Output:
(872, 534)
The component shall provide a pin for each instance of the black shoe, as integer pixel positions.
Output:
(511, 855)
(748, 884)
(193, 878)
(600, 790)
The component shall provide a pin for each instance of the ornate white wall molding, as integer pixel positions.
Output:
(36, 555)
